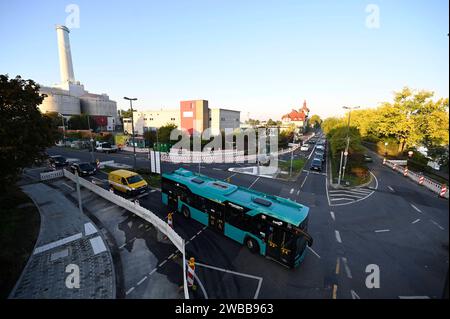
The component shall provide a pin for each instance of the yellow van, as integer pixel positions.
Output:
(127, 182)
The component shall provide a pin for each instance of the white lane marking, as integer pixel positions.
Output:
(232, 175)
(361, 199)
(332, 216)
(382, 230)
(152, 272)
(312, 250)
(57, 243)
(298, 192)
(415, 208)
(260, 279)
(171, 256)
(342, 198)
(416, 221)
(162, 264)
(98, 246)
(326, 190)
(413, 297)
(354, 294)
(351, 196)
(291, 191)
(347, 268)
(129, 291)
(89, 229)
(303, 183)
(338, 236)
(141, 281)
(68, 186)
(442, 228)
(254, 182)
(391, 189)
(217, 169)
(153, 190)
(352, 191)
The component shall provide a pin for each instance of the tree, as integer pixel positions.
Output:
(24, 132)
(150, 137)
(80, 122)
(164, 133)
(315, 121)
(253, 122)
(330, 123)
(271, 123)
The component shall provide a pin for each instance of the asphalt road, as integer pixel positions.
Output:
(396, 225)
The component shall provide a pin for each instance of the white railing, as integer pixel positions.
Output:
(138, 210)
(427, 182)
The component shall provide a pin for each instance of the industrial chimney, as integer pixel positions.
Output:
(65, 57)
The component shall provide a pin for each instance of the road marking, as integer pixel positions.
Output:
(57, 243)
(217, 169)
(68, 186)
(338, 265)
(382, 231)
(141, 281)
(260, 279)
(442, 228)
(171, 256)
(254, 182)
(415, 208)
(298, 192)
(312, 250)
(303, 183)
(162, 264)
(391, 189)
(416, 221)
(152, 272)
(129, 291)
(354, 294)
(326, 190)
(338, 236)
(332, 216)
(291, 191)
(232, 175)
(347, 268)
(413, 297)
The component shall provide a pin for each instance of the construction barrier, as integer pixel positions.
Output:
(384, 161)
(420, 179)
(443, 190)
(139, 211)
(405, 171)
(170, 220)
(191, 273)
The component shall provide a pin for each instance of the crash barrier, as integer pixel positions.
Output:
(138, 210)
(432, 185)
(51, 175)
(191, 272)
(105, 163)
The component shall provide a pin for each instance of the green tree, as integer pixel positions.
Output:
(330, 123)
(164, 133)
(315, 121)
(24, 132)
(253, 122)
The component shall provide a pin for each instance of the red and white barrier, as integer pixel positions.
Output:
(405, 171)
(421, 179)
(170, 220)
(443, 190)
(191, 272)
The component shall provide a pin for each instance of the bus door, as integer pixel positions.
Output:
(274, 242)
(216, 218)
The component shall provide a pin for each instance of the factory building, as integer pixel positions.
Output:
(70, 97)
(193, 116)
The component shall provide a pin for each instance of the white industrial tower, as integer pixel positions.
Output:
(65, 57)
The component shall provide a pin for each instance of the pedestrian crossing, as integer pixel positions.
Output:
(349, 195)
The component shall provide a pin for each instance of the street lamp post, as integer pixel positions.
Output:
(92, 140)
(132, 127)
(348, 137)
(64, 129)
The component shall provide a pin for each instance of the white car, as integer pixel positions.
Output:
(304, 147)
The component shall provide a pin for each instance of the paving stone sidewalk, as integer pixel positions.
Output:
(66, 238)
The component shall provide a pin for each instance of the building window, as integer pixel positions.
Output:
(172, 119)
(222, 119)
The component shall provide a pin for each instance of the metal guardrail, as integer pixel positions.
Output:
(426, 182)
(51, 175)
(138, 210)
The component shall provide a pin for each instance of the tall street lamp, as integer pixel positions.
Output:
(92, 140)
(348, 137)
(132, 127)
(64, 129)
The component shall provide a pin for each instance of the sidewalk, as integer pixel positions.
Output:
(66, 237)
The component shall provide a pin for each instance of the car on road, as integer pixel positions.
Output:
(320, 147)
(312, 141)
(127, 182)
(320, 156)
(316, 165)
(83, 169)
(106, 147)
(304, 147)
(367, 158)
(58, 161)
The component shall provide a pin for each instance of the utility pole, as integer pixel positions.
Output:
(132, 128)
(348, 137)
(92, 140)
(340, 169)
(64, 129)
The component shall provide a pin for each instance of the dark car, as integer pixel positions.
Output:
(83, 169)
(58, 161)
(368, 158)
(316, 164)
(312, 141)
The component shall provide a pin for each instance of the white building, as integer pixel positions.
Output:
(69, 97)
(220, 119)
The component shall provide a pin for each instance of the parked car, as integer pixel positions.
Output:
(320, 156)
(368, 158)
(57, 161)
(312, 141)
(320, 147)
(127, 182)
(83, 169)
(316, 164)
(304, 147)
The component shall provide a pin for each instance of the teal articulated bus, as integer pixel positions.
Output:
(272, 226)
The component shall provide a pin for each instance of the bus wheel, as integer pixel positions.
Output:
(251, 244)
(186, 212)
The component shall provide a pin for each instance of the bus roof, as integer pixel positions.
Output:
(283, 209)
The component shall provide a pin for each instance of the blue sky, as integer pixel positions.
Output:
(260, 57)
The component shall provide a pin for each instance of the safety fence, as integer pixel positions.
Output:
(399, 166)
(51, 175)
(138, 210)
